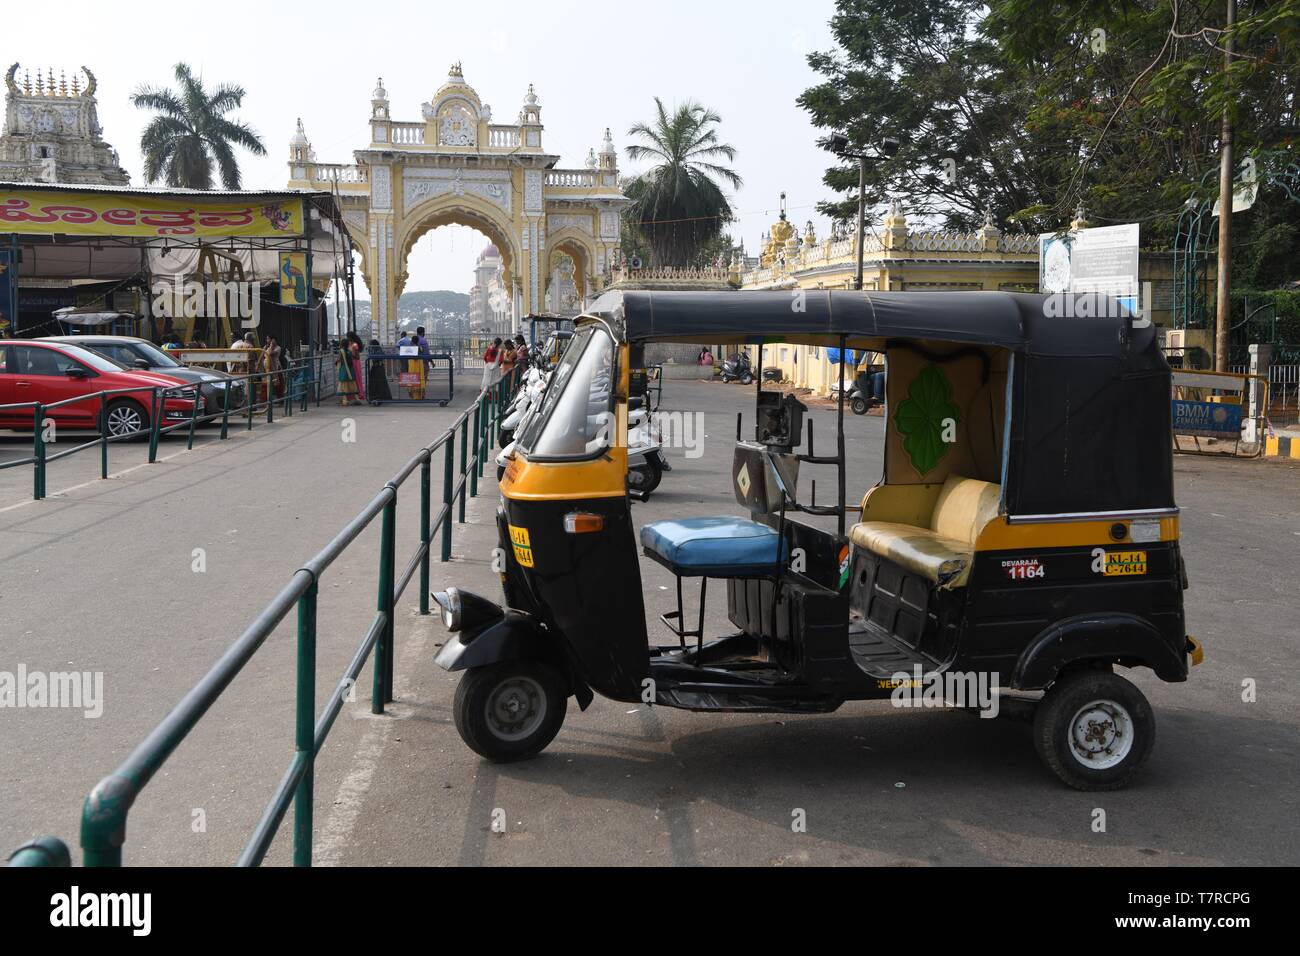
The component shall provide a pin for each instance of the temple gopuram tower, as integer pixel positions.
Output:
(52, 134)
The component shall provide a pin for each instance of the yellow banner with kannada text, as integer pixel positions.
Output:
(43, 212)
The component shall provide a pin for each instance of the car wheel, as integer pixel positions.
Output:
(510, 710)
(1094, 729)
(125, 417)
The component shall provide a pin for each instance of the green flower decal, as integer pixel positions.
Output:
(921, 418)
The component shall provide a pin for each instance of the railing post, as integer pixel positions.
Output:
(464, 450)
(103, 821)
(474, 469)
(155, 419)
(425, 483)
(449, 452)
(480, 427)
(194, 416)
(496, 415)
(38, 452)
(250, 392)
(103, 434)
(270, 401)
(384, 671)
(305, 726)
(225, 411)
(43, 851)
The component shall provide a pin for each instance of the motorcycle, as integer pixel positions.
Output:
(737, 369)
(523, 403)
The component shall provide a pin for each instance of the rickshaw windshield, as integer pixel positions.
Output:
(574, 419)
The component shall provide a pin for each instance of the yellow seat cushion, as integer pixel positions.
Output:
(964, 507)
(945, 551)
(945, 561)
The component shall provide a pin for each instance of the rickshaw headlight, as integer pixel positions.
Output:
(449, 601)
(467, 612)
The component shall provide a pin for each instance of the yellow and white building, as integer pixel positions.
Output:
(456, 165)
(898, 258)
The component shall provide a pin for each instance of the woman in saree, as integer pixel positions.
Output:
(357, 347)
(348, 362)
(418, 366)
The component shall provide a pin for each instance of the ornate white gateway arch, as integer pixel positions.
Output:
(457, 166)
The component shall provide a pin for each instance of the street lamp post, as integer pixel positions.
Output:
(840, 146)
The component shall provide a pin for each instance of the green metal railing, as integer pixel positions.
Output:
(106, 809)
(304, 382)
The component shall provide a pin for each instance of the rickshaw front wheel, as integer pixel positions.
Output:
(1094, 729)
(509, 710)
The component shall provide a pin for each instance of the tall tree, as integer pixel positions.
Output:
(1135, 92)
(925, 72)
(678, 205)
(192, 133)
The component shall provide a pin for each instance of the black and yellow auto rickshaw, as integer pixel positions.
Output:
(1024, 531)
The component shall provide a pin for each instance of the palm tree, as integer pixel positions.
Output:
(191, 132)
(678, 205)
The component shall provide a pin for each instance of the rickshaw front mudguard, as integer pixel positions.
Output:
(514, 636)
(1121, 638)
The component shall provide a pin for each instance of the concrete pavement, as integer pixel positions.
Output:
(103, 579)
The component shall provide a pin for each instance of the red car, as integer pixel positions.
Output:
(46, 372)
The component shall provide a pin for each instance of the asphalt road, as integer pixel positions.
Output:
(101, 579)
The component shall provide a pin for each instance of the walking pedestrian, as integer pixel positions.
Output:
(492, 363)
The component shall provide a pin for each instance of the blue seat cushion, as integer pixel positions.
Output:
(717, 546)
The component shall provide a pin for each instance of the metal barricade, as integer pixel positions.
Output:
(409, 376)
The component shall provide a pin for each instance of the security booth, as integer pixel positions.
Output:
(409, 375)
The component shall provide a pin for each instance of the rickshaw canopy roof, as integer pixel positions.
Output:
(1090, 428)
(1010, 320)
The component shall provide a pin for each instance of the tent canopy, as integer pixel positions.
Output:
(115, 233)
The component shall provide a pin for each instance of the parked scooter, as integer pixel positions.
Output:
(861, 394)
(646, 462)
(737, 369)
(523, 403)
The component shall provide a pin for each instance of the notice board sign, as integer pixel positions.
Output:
(1207, 419)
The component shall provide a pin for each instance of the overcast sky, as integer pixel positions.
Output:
(593, 65)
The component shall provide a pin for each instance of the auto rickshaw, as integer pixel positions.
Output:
(1024, 531)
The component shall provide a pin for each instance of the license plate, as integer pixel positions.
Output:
(523, 546)
(1125, 562)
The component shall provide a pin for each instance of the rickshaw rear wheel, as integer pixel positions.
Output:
(1094, 729)
(510, 710)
